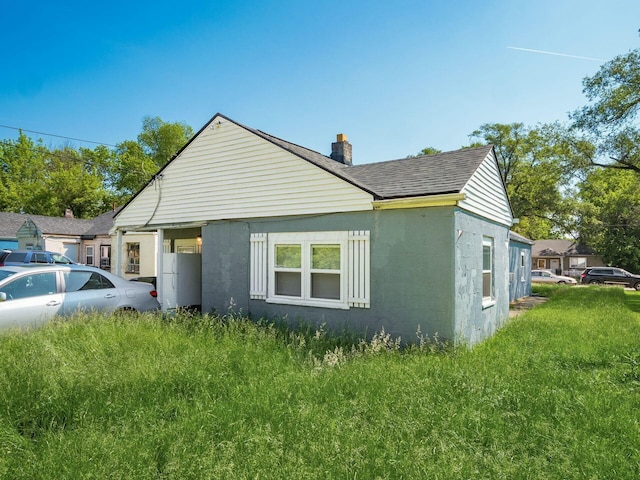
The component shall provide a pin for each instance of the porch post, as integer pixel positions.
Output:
(159, 265)
(118, 254)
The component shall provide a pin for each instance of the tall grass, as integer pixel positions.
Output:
(555, 394)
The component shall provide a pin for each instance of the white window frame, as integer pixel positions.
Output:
(306, 240)
(133, 266)
(488, 300)
(522, 269)
(88, 255)
(577, 263)
(355, 270)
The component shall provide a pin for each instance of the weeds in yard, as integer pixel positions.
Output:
(551, 395)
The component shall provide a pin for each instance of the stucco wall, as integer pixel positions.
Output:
(411, 271)
(475, 322)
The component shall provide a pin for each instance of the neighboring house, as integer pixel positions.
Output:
(519, 266)
(84, 241)
(413, 244)
(9, 225)
(39, 232)
(563, 257)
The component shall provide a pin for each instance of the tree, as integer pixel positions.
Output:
(609, 216)
(610, 119)
(161, 140)
(131, 169)
(530, 161)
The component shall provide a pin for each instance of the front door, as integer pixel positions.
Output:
(554, 265)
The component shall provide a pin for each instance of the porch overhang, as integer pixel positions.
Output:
(153, 228)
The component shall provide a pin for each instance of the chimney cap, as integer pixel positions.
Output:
(341, 137)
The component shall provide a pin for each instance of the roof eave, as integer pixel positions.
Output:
(441, 200)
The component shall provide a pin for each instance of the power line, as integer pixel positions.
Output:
(57, 136)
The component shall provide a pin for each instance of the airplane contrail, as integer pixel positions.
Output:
(558, 54)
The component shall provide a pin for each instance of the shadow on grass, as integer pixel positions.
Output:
(632, 300)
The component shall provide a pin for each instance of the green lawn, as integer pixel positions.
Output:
(555, 394)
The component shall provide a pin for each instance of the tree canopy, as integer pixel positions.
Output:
(609, 120)
(43, 180)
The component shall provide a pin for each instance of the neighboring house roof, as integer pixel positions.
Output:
(515, 237)
(559, 248)
(10, 223)
(102, 223)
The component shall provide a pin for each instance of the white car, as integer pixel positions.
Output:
(545, 276)
(32, 295)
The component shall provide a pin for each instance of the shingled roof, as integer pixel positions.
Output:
(560, 247)
(10, 223)
(424, 175)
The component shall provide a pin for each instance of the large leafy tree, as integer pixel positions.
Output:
(22, 175)
(610, 118)
(135, 162)
(161, 140)
(609, 215)
(40, 180)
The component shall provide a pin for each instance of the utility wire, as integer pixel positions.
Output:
(57, 136)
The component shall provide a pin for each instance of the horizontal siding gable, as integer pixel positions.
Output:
(486, 195)
(228, 172)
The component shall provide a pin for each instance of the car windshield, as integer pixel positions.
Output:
(57, 258)
(4, 274)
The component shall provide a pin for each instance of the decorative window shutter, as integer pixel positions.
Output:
(359, 269)
(258, 287)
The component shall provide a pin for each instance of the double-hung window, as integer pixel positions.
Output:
(321, 269)
(89, 254)
(308, 268)
(487, 271)
(133, 258)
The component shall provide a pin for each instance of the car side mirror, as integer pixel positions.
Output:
(3, 297)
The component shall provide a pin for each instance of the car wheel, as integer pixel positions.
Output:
(637, 286)
(595, 282)
(561, 282)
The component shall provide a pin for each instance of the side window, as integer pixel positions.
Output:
(133, 258)
(38, 257)
(487, 269)
(33, 285)
(19, 257)
(76, 281)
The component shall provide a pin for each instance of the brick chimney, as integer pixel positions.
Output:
(68, 213)
(341, 150)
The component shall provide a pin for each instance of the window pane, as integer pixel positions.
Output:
(76, 281)
(486, 284)
(289, 284)
(325, 257)
(486, 257)
(325, 285)
(288, 256)
(32, 286)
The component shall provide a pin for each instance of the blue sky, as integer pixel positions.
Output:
(394, 76)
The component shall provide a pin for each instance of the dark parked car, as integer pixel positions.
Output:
(610, 275)
(32, 294)
(21, 257)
